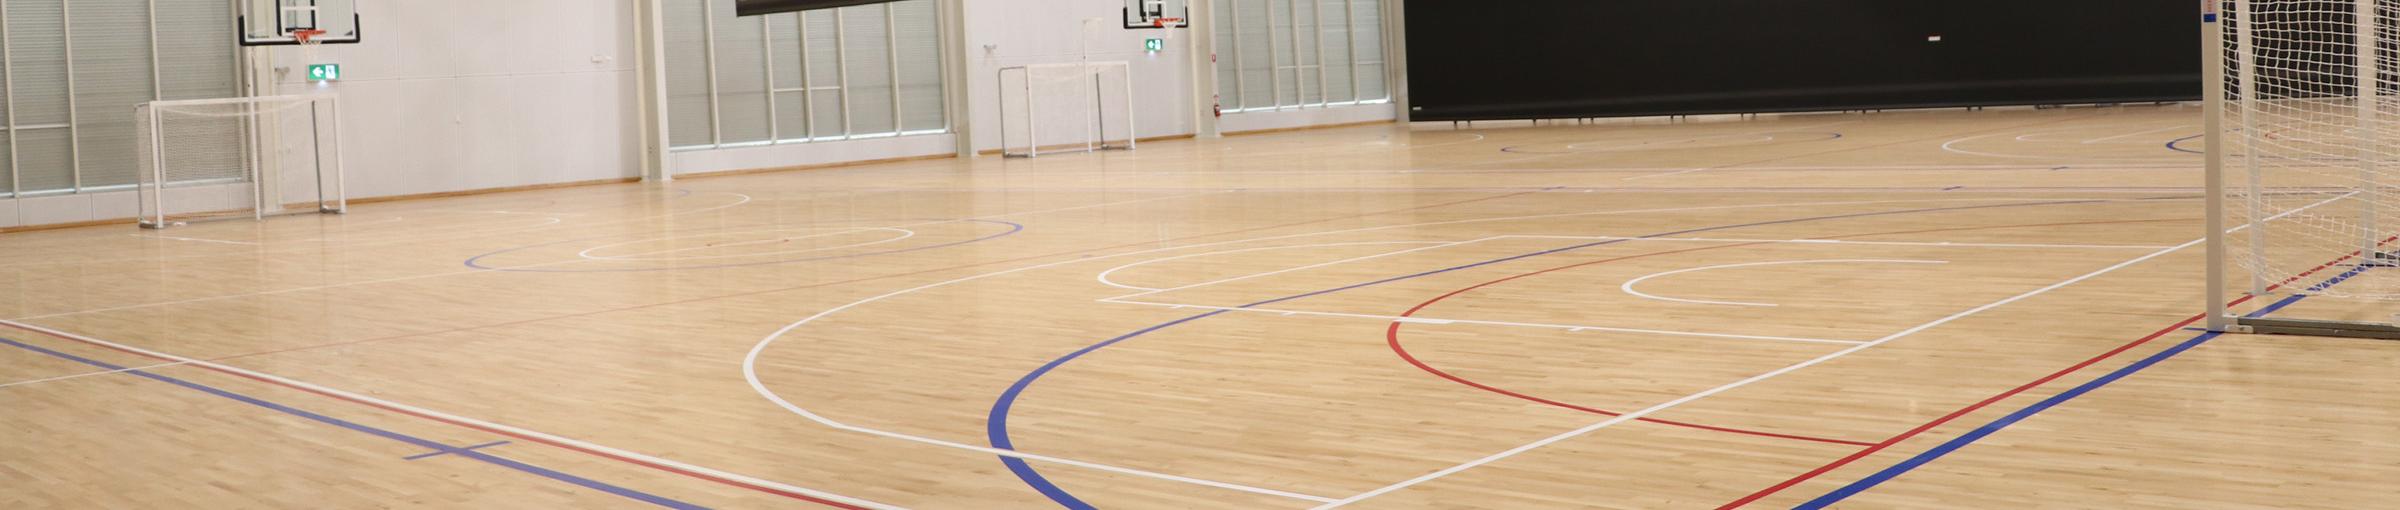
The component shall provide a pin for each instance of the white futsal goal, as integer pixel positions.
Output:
(2303, 144)
(1067, 107)
(248, 157)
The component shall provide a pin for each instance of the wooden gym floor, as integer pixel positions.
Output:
(1896, 310)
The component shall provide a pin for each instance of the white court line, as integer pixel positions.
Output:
(904, 235)
(544, 264)
(2131, 135)
(89, 374)
(1723, 167)
(525, 213)
(1778, 372)
(1105, 280)
(1436, 246)
(738, 203)
(1952, 146)
(1670, 174)
(1867, 243)
(1436, 320)
(1751, 137)
(1629, 284)
(194, 239)
(460, 419)
(750, 361)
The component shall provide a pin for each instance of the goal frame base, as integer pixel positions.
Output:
(186, 219)
(2312, 327)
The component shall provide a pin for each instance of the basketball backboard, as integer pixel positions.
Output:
(1141, 14)
(275, 22)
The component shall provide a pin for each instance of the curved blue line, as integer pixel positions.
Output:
(2177, 144)
(476, 262)
(996, 424)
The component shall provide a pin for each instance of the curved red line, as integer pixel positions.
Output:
(1392, 334)
(705, 476)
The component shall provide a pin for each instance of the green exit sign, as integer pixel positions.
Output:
(1155, 45)
(325, 72)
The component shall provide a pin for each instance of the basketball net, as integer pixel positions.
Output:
(308, 44)
(1166, 23)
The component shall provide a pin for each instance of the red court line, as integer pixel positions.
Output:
(1392, 334)
(1994, 399)
(672, 469)
(565, 446)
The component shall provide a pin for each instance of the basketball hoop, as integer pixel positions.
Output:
(309, 42)
(1164, 22)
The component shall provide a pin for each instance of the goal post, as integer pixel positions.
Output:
(2300, 129)
(1066, 107)
(248, 157)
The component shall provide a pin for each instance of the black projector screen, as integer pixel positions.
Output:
(1522, 59)
(765, 7)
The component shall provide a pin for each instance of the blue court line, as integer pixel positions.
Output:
(386, 434)
(1887, 474)
(477, 261)
(432, 454)
(996, 424)
(2177, 144)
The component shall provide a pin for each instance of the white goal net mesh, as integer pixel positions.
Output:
(239, 157)
(2310, 141)
(1072, 107)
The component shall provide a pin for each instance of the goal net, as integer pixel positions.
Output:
(1069, 107)
(2303, 146)
(238, 158)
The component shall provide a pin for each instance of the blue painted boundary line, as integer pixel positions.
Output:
(996, 424)
(432, 454)
(354, 426)
(1887, 474)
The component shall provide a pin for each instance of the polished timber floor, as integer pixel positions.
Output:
(1895, 310)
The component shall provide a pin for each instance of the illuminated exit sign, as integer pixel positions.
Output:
(1154, 45)
(325, 72)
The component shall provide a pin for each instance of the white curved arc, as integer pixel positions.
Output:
(1104, 279)
(528, 266)
(644, 256)
(750, 361)
(1629, 284)
(737, 203)
(1704, 394)
(1952, 146)
(1739, 137)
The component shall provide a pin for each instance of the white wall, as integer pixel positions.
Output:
(1305, 117)
(762, 156)
(1021, 32)
(456, 95)
(453, 95)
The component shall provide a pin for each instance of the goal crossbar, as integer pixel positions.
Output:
(224, 158)
(1066, 107)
